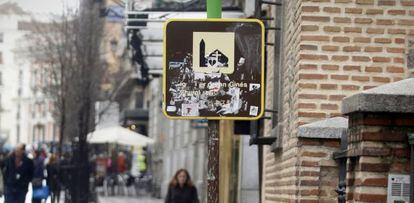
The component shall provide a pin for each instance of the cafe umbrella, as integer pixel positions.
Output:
(118, 135)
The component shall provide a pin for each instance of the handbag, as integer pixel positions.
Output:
(41, 192)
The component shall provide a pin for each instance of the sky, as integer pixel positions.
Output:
(45, 6)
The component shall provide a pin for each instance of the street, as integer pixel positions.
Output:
(129, 200)
(104, 199)
(118, 199)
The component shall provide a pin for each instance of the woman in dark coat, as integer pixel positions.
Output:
(181, 189)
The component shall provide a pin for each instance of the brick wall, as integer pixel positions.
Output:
(332, 49)
(347, 46)
(377, 146)
(280, 169)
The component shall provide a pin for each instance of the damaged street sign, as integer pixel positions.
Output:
(213, 69)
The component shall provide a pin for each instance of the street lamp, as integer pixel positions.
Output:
(133, 127)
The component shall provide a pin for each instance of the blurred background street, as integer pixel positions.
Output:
(82, 100)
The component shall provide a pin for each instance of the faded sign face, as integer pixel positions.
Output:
(213, 69)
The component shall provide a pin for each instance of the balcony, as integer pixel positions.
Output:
(135, 115)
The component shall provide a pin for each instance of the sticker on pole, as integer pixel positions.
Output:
(214, 69)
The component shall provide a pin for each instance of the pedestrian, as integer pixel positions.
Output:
(2, 158)
(53, 180)
(181, 189)
(18, 172)
(38, 174)
(112, 166)
(66, 173)
(121, 163)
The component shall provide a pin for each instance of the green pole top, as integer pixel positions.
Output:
(213, 8)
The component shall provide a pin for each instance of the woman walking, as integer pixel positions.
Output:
(181, 189)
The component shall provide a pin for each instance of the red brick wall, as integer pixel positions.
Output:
(377, 145)
(332, 49)
(347, 46)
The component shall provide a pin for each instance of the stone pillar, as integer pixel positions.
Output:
(379, 121)
(318, 172)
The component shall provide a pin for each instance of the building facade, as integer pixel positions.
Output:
(179, 144)
(26, 111)
(14, 75)
(328, 50)
(43, 127)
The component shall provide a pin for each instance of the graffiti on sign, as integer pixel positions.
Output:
(213, 69)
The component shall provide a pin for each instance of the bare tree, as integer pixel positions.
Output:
(68, 51)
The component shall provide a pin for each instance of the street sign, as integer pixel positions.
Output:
(198, 124)
(214, 69)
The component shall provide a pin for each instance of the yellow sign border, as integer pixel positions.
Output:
(164, 77)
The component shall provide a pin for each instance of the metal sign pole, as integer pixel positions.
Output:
(206, 47)
(213, 162)
(213, 11)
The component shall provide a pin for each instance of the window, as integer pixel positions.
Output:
(51, 107)
(44, 110)
(18, 112)
(32, 110)
(18, 133)
(39, 133)
(54, 131)
(42, 133)
(33, 134)
(20, 77)
(139, 100)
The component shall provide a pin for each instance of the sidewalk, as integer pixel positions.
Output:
(119, 199)
(28, 197)
(129, 200)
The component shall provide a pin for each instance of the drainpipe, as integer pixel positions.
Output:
(411, 142)
(341, 157)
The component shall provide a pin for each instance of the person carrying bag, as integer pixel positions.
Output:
(40, 191)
